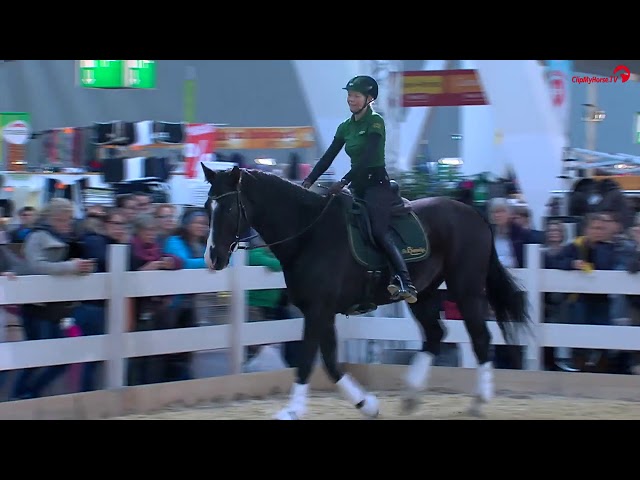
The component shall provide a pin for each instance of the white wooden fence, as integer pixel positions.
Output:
(119, 284)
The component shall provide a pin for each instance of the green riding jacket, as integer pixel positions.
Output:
(364, 141)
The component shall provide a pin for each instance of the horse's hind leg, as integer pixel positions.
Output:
(366, 402)
(427, 312)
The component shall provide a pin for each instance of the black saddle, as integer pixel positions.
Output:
(407, 233)
(357, 207)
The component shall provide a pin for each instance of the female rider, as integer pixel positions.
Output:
(363, 136)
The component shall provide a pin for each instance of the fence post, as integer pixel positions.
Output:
(117, 313)
(238, 310)
(533, 263)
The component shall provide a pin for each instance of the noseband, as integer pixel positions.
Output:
(242, 212)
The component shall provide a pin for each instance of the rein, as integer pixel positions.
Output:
(241, 211)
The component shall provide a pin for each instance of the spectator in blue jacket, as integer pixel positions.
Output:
(189, 245)
(190, 240)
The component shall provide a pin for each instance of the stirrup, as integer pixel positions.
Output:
(400, 292)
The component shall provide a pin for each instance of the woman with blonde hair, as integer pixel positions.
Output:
(48, 251)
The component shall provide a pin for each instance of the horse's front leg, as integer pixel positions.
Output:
(366, 402)
(297, 406)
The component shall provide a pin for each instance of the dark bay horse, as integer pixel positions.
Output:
(307, 232)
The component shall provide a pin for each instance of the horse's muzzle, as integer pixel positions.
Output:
(209, 258)
(217, 262)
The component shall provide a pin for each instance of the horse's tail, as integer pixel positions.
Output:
(506, 298)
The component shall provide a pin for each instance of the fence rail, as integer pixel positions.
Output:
(118, 285)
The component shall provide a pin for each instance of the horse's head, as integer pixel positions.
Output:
(228, 219)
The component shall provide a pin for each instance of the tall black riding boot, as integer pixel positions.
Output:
(402, 286)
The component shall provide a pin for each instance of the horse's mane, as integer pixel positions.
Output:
(273, 184)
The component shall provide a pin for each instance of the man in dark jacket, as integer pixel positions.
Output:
(509, 239)
(588, 253)
(633, 266)
(27, 220)
(10, 266)
(90, 315)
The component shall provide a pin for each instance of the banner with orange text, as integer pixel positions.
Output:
(442, 88)
(231, 138)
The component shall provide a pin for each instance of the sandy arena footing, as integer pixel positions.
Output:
(519, 395)
(434, 406)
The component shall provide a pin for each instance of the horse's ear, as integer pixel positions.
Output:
(209, 174)
(235, 174)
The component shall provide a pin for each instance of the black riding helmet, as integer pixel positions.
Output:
(363, 84)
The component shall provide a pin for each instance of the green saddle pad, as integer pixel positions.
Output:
(408, 235)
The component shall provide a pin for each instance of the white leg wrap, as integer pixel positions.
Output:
(485, 386)
(350, 389)
(297, 406)
(356, 395)
(418, 372)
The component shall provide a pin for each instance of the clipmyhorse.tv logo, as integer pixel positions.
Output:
(620, 74)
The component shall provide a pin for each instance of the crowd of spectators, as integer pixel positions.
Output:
(51, 241)
(603, 244)
(161, 237)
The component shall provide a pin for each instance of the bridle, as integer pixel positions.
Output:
(235, 245)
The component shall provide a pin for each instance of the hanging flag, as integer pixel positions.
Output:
(559, 79)
(199, 146)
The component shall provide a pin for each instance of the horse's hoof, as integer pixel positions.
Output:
(475, 409)
(371, 406)
(287, 414)
(374, 415)
(409, 404)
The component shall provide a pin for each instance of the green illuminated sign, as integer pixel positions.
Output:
(101, 73)
(118, 74)
(140, 73)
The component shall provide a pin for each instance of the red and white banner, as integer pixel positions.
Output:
(442, 88)
(199, 146)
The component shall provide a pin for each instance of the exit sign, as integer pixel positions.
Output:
(117, 74)
(140, 74)
(101, 73)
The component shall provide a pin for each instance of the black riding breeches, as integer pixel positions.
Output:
(379, 198)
